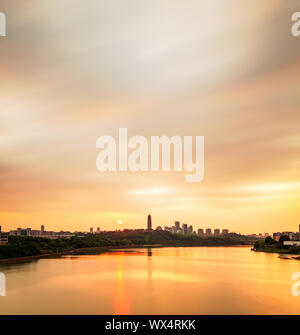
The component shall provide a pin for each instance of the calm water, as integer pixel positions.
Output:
(198, 280)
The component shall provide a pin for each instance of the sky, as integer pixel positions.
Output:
(72, 71)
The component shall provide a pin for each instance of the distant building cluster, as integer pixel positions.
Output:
(258, 236)
(40, 233)
(189, 230)
(96, 232)
(293, 236)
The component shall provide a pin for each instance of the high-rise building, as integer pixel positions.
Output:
(179, 231)
(177, 225)
(185, 228)
(216, 232)
(98, 230)
(225, 231)
(149, 222)
(91, 230)
(42, 229)
(208, 232)
(200, 232)
(190, 230)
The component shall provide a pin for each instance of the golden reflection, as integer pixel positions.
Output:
(122, 304)
(149, 265)
(197, 280)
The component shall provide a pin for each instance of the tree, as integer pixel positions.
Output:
(259, 244)
(269, 240)
(283, 238)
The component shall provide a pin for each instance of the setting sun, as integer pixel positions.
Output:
(120, 221)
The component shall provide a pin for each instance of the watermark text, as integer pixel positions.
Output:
(296, 286)
(2, 285)
(296, 26)
(2, 24)
(183, 156)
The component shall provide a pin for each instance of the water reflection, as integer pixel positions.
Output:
(153, 281)
(122, 301)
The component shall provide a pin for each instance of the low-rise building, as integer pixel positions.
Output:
(292, 243)
(276, 236)
(3, 237)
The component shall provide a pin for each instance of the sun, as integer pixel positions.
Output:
(120, 221)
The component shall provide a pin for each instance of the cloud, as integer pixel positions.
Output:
(72, 71)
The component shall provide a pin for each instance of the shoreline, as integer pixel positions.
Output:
(285, 254)
(85, 251)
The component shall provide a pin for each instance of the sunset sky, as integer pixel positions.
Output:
(73, 70)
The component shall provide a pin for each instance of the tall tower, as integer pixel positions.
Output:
(149, 223)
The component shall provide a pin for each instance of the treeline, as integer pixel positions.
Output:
(164, 237)
(30, 246)
(272, 246)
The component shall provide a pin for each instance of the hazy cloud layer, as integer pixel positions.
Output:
(72, 71)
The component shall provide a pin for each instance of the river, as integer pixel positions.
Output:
(172, 280)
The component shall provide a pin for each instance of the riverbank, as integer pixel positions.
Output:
(98, 250)
(29, 248)
(279, 252)
(273, 247)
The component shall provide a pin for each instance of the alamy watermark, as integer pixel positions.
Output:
(296, 26)
(159, 154)
(2, 24)
(2, 285)
(296, 286)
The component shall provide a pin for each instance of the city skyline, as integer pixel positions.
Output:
(178, 227)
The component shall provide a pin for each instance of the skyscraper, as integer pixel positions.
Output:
(208, 232)
(177, 225)
(217, 232)
(91, 230)
(200, 232)
(42, 229)
(149, 223)
(185, 228)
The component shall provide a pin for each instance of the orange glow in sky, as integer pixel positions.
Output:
(229, 72)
